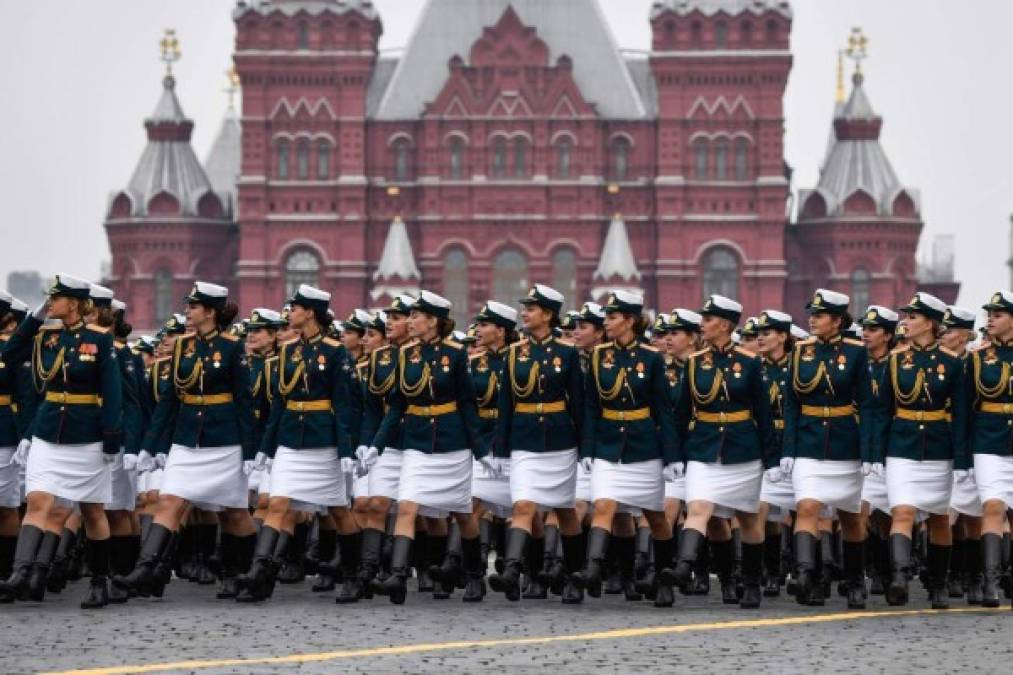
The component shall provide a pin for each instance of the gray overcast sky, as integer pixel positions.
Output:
(79, 77)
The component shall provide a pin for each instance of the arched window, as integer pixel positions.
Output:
(721, 160)
(859, 291)
(303, 35)
(163, 295)
(771, 31)
(720, 273)
(563, 151)
(283, 160)
(741, 159)
(747, 32)
(302, 160)
(696, 34)
(720, 35)
(520, 158)
(620, 158)
(499, 157)
(456, 157)
(564, 275)
(456, 285)
(323, 160)
(402, 159)
(509, 277)
(700, 159)
(301, 267)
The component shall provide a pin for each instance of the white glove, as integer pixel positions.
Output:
(787, 464)
(963, 475)
(360, 452)
(866, 468)
(587, 463)
(20, 456)
(247, 467)
(360, 469)
(160, 460)
(145, 462)
(370, 458)
(879, 469)
(668, 473)
(775, 475)
(110, 458)
(492, 467)
(40, 311)
(129, 462)
(347, 465)
(261, 462)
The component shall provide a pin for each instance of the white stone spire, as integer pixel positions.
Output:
(617, 268)
(396, 273)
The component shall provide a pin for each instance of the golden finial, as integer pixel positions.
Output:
(840, 76)
(233, 87)
(857, 43)
(170, 49)
(393, 191)
(613, 188)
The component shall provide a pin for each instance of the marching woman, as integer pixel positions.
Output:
(878, 327)
(777, 499)
(209, 409)
(922, 429)
(382, 461)
(308, 445)
(724, 412)
(435, 399)
(629, 443)
(540, 413)
(990, 389)
(824, 447)
(76, 433)
(965, 503)
(682, 339)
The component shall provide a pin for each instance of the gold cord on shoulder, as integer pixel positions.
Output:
(613, 392)
(528, 388)
(41, 375)
(710, 396)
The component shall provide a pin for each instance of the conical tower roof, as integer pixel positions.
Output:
(223, 161)
(617, 268)
(396, 273)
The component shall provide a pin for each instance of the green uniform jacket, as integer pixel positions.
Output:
(160, 386)
(625, 379)
(923, 380)
(381, 377)
(989, 384)
(432, 374)
(877, 374)
(210, 365)
(16, 383)
(828, 374)
(133, 420)
(487, 377)
(675, 371)
(263, 378)
(74, 360)
(776, 374)
(729, 381)
(540, 372)
(315, 369)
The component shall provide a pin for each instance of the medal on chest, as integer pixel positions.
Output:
(673, 376)
(86, 351)
(321, 362)
(445, 362)
(737, 370)
(415, 356)
(191, 348)
(609, 360)
(557, 364)
(809, 353)
(525, 352)
(842, 362)
(941, 372)
(385, 358)
(991, 357)
(483, 364)
(216, 360)
(52, 341)
(707, 362)
(909, 361)
(641, 368)
(296, 354)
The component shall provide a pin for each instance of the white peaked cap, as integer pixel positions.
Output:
(884, 312)
(268, 314)
(629, 297)
(798, 333)
(932, 301)
(119, 305)
(833, 297)
(499, 309)
(313, 293)
(962, 313)
(726, 303)
(211, 290)
(73, 282)
(6, 297)
(596, 309)
(549, 292)
(434, 300)
(98, 292)
(18, 305)
(363, 316)
(687, 315)
(777, 315)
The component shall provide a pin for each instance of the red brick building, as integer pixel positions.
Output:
(511, 142)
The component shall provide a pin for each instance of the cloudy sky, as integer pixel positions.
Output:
(79, 77)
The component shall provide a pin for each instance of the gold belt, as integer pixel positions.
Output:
(73, 399)
(724, 417)
(625, 415)
(432, 410)
(207, 399)
(6, 400)
(828, 411)
(779, 425)
(488, 413)
(540, 408)
(997, 408)
(309, 406)
(922, 415)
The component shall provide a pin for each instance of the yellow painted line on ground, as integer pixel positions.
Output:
(400, 650)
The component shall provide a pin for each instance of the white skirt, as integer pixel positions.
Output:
(264, 487)
(549, 479)
(440, 483)
(492, 492)
(837, 484)
(730, 487)
(964, 498)
(253, 481)
(924, 485)
(360, 487)
(874, 492)
(993, 473)
(310, 476)
(635, 486)
(385, 476)
(151, 480)
(77, 473)
(583, 493)
(676, 489)
(124, 487)
(10, 484)
(210, 478)
(780, 496)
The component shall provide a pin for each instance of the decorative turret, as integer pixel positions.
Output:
(396, 273)
(223, 161)
(617, 268)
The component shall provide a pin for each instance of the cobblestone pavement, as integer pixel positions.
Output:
(308, 633)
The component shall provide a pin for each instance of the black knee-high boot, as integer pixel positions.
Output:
(691, 545)
(535, 559)
(327, 549)
(589, 578)
(938, 559)
(97, 551)
(613, 581)
(723, 553)
(436, 551)
(772, 565)
(553, 574)
(27, 546)
(574, 552)
(119, 564)
(956, 578)
(900, 566)
(701, 572)
(420, 560)
(58, 570)
(854, 573)
(369, 559)
(991, 554)
(499, 539)
(625, 549)
(292, 565)
(145, 520)
(643, 552)
(395, 586)
(7, 546)
(351, 552)
(40, 568)
(229, 569)
(752, 575)
(255, 584)
(485, 536)
(474, 568)
(972, 570)
(449, 571)
(664, 572)
(151, 551)
(508, 581)
(810, 589)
